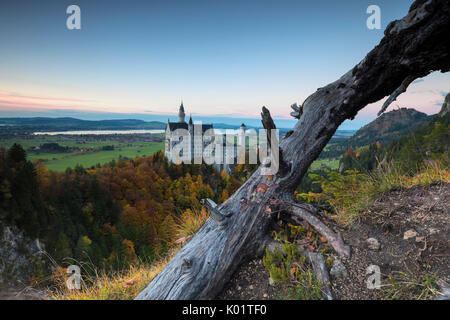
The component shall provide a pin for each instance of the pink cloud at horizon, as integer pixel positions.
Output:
(425, 95)
(8, 95)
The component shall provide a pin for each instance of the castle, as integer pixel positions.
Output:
(224, 160)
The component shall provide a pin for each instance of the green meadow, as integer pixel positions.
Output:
(328, 163)
(90, 151)
(90, 159)
(65, 141)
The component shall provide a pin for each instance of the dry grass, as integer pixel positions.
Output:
(191, 221)
(124, 285)
(408, 285)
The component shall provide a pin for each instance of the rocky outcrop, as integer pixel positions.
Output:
(445, 106)
(20, 258)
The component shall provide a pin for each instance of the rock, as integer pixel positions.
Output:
(445, 290)
(409, 234)
(373, 244)
(271, 282)
(239, 288)
(433, 230)
(445, 106)
(265, 295)
(20, 256)
(251, 287)
(338, 269)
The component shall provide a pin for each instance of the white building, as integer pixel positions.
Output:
(224, 157)
(196, 142)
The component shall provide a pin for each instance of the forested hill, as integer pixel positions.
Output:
(429, 143)
(388, 126)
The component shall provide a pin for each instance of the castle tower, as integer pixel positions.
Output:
(240, 148)
(241, 135)
(196, 141)
(181, 113)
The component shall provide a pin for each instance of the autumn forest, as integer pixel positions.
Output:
(124, 212)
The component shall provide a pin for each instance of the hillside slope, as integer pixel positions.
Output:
(427, 143)
(388, 126)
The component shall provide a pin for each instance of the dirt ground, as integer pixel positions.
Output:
(250, 282)
(412, 228)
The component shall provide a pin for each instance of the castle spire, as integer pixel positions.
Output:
(181, 113)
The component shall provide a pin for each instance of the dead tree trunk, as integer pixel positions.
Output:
(411, 48)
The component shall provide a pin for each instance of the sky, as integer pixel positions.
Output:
(224, 59)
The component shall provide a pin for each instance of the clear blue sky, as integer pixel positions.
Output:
(223, 58)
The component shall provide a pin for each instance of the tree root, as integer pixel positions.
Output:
(306, 212)
(319, 266)
(320, 269)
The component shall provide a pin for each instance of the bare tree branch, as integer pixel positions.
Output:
(396, 93)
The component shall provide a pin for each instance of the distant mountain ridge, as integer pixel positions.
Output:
(67, 123)
(388, 126)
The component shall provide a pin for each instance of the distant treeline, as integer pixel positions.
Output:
(20, 125)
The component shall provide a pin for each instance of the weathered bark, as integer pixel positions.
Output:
(276, 153)
(413, 46)
(298, 111)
